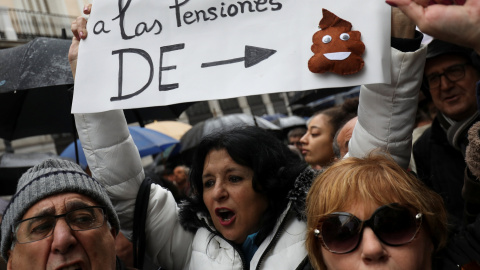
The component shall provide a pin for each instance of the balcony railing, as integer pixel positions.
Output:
(24, 25)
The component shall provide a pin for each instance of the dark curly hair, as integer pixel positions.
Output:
(341, 114)
(274, 165)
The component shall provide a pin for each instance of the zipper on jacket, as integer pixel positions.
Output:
(240, 252)
(274, 240)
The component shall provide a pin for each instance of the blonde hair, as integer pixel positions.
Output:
(373, 179)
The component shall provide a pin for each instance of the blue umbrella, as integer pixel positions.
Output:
(148, 142)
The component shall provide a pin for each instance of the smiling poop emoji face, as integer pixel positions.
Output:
(336, 47)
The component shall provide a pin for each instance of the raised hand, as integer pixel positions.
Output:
(458, 24)
(79, 30)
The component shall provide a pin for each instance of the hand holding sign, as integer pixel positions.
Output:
(79, 31)
(458, 24)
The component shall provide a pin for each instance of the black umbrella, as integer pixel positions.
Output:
(35, 112)
(36, 95)
(159, 113)
(41, 62)
(12, 166)
(305, 97)
(34, 82)
(193, 136)
(289, 122)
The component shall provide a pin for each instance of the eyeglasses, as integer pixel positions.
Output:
(393, 224)
(38, 228)
(453, 74)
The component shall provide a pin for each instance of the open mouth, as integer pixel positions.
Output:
(337, 55)
(72, 267)
(224, 214)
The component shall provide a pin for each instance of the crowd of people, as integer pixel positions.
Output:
(341, 194)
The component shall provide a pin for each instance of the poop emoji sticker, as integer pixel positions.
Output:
(336, 47)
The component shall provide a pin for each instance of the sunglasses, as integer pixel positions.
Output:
(393, 224)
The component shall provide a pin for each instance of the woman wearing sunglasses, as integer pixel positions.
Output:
(386, 217)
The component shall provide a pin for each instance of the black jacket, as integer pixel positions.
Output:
(441, 167)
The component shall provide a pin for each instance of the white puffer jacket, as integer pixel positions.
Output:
(386, 119)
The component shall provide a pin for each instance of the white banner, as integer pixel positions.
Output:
(143, 53)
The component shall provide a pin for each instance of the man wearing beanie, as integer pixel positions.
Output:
(59, 218)
(450, 77)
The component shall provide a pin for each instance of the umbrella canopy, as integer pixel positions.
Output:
(305, 97)
(286, 123)
(47, 110)
(193, 137)
(290, 122)
(41, 62)
(35, 112)
(12, 166)
(173, 129)
(36, 92)
(42, 65)
(142, 115)
(271, 117)
(148, 142)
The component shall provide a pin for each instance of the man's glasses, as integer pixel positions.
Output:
(453, 74)
(393, 224)
(37, 228)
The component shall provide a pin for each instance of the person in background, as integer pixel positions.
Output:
(59, 218)
(167, 174)
(451, 74)
(317, 143)
(181, 173)
(164, 177)
(342, 138)
(294, 137)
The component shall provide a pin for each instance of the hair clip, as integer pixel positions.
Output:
(316, 232)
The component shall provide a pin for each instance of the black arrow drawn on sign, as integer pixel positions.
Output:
(253, 56)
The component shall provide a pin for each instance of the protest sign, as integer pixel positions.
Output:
(146, 53)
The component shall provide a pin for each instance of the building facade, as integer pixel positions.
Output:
(23, 20)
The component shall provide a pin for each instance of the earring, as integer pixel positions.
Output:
(316, 232)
